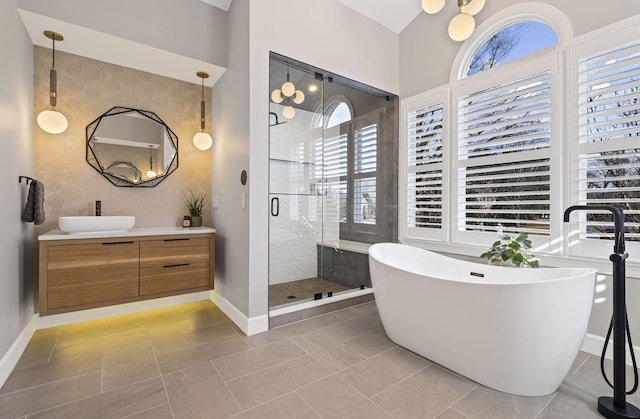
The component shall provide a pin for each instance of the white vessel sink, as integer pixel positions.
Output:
(101, 224)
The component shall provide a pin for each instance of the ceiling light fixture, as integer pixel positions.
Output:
(51, 120)
(202, 140)
(462, 25)
(289, 92)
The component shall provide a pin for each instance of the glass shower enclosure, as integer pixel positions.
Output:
(329, 180)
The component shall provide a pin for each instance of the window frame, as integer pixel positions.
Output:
(560, 249)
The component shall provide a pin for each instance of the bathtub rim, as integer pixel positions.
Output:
(559, 274)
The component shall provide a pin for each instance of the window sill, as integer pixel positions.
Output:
(604, 266)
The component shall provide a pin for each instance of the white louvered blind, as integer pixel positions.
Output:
(609, 137)
(334, 169)
(364, 170)
(424, 168)
(504, 156)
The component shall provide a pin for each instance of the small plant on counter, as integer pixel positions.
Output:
(195, 202)
(508, 250)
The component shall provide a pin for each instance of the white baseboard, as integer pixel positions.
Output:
(116, 310)
(12, 356)
(593, 344)
(248, 325)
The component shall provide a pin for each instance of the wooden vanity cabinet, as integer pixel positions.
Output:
(174, 264)
(87, 273)
(91, 273)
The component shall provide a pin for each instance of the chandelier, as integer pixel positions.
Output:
(289, 93)
(462, 25)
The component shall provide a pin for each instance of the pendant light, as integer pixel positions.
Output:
(51, 120)
(150, 172)
(289, 93)
(462, 25)
(202, 140)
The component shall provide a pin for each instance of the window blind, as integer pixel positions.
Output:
(425, 167)
(609, 139)
(504, 156)
(364, 169)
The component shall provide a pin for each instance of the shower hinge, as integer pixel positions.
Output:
(317, 296)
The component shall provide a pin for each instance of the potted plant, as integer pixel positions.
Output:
(509, 251)
(195, 203)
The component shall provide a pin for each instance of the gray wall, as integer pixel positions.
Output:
(230, 157)
(187, 27)
(426, 37)
(16, 158)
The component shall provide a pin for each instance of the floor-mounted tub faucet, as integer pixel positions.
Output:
(616, 407)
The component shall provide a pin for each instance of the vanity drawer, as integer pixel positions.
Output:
(174, 277)
(174, 251)
(91, 274)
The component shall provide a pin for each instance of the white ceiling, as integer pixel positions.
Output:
(393, 14)
(220, 4)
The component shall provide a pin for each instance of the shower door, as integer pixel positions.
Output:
(332, 181)
(295, 194)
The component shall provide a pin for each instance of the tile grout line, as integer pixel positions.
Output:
(228, 389)
(164, 386)
(547, 404)
(262, 369)
(53, 347)
(476, 385)
(307, 403)
(401, 381)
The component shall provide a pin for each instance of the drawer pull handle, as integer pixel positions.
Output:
(175, 240)
(177, 264)
(107, 244)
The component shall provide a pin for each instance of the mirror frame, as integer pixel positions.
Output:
(94, 162)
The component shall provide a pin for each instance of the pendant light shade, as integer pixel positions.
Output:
(473, 7)
(463, 24)
(288, 89)
(202, 140)
(432, 6)
(151, 173)
(461, 27)
(288, 112)
(50, 120)
(276, 96)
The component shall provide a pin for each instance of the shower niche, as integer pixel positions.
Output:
(332, 181)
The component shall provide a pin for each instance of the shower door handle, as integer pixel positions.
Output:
(275, 209)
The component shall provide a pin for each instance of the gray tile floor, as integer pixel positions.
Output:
(190, 361)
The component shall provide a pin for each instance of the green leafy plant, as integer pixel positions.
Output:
(510, 250)
(195, 202)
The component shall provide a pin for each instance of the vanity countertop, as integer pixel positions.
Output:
(134, 232)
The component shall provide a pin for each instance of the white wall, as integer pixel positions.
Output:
(427, 52)
(334, 38)
(16, 158)
(329, 36)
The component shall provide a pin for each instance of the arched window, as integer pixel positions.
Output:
(511, 43)
(338, 113)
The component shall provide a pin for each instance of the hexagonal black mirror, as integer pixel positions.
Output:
(131, 147)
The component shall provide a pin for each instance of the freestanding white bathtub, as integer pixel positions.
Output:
(512, 329)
